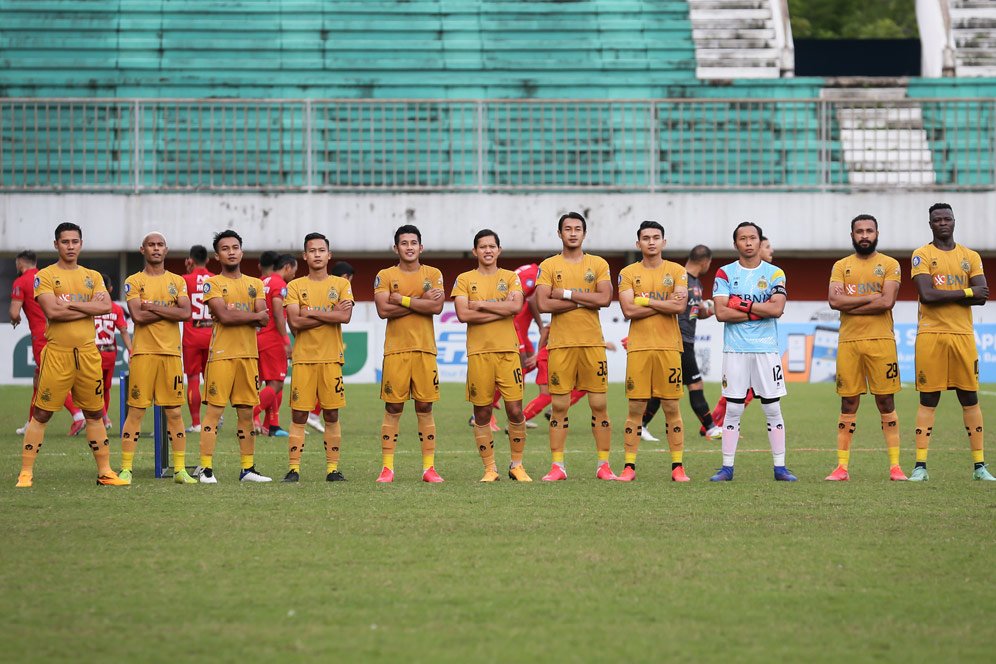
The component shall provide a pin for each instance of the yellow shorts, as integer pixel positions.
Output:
(867, 364)
(317, 382)
(411, 375)
(489, 371)
(946, 361)
(235, 381)
(74, 370)
(578, 368)
(653, 373)
(156, 378)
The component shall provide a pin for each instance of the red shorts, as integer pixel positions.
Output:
(36, 348)
(194, 359)
(542, 362)
(522, 321)
(272, 362)
(108, 360)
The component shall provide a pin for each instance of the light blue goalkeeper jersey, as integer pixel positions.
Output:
(758, 285)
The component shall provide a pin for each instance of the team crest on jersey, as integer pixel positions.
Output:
(46, 395)
(304, 295)
(295, 394)
(394, 286)
(762, 284)
(213, 389)
(171, 289)
(555, 379)
(502, 286)
(916, 261)
(965, 265)
(922, 378)
(252, 292)
(473, 288)
(589, 276)
(724, 381)
(388, 389)
(127, 288)
(224, 291)
(879, 271)
(88, 282)
(377, 281)
(333, 295)
(668, 281)
(206, 288)
(840, 385)
(630, 384)
(426, 286)
(135, 392)
(473, 391)
(37, 282)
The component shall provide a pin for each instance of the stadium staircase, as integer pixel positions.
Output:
(973, 31)
(737, 39)
(881, 144)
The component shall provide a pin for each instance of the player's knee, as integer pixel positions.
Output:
(394, 408)
(94, 414)
(331, 415)
(930, 399)
(514, 411)
(967, 398)
(42, 416)
(299, 416)
(849, 405)
(886, 403)
(423, 407)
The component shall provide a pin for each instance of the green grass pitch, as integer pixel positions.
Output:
(578, 571)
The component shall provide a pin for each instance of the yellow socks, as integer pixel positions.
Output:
(846, 424)
(675, 429)
(333, 441)
(130, 432)
(427, 436)
(890, 429)
(924, 427)
(295, 446)
(389, 438)
(96, 436)
(33, 437)
(973, 425)
(177, 438)
(485, 445)
(517, 441)
(631, 433)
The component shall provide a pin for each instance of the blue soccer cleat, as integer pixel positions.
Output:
(783, 474)
(724, 474)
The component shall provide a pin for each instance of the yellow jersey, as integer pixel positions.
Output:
(659, 332)
(230, 342)
(498, 336)
(413, 332)
(79, 285)
(860, 277)
(578, 327)
(163, 336)
(948, 270)
(322, 344)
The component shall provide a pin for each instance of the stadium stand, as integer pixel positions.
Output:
(973, 31)
(736, 39)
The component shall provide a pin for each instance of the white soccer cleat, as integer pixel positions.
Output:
(194, 428)
(206, 476)
(20, 431)
(714, 433)
(647, 436)
(316, 422)
(253, 475)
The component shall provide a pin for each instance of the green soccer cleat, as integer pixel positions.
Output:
(125, 475)
(183, 477)
(982, 473)
(919, 474)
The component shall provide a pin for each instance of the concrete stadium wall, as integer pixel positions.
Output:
(799, 223)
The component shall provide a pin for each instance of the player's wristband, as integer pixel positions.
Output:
(641, 301)
(568, 294)
(969, 292)
(406, 302)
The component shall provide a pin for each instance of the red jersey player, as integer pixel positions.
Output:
(273, 342)
(106, 326)
(527, 277)
(22, 297)
(196, 331)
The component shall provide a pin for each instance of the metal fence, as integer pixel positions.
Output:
(176, 145)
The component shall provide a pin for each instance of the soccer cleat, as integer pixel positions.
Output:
(490, 475)
(530, 424)
(386, 475)
(628, 474)
(783, 474)
(107, 423)
(20, 430)
(649, 437)
(316, 422)
(556, 474)
(493, 424)
(206, 476)
(111, 480)
(250, 474)
(840, 475)
(724, 474)
(257, 426)
(292, 476)
(277, 432)
(714, 433)
(678, 475)
(519, 474)
(431, 476)
(547, 414)
(183, 477)
(919, 474)
(982, 473)
(125, 475)
(24, 479)
(335, 476)
(604, 472)
(896, 474)
(194, 428)
(76, 427)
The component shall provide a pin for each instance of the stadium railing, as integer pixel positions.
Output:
(175, 145)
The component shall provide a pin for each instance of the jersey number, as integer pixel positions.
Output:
(675, 377)
(518, 376)
(603, 369)
(339, 389)
(891, 370)
(100, 387)
(776, 373)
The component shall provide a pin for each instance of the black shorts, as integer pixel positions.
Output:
(689, 366)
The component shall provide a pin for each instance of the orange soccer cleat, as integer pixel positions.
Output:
(386, 476)
(628, 474)
(896, 474)
(839, 475)
(556, 474)
(431, 476)
(678, 475)
(604, 472)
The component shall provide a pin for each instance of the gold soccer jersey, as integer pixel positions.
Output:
(861, 277)
(497, 336)
(229, 342)
(413, 332)
(951, 271)
(579, 327)
(321, 344)
(79, 285)
(660, 332)
(163, 336)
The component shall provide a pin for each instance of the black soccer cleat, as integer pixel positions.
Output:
(335, 476)
(292, 476)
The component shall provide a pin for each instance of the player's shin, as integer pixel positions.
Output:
(485, 446)
(177, 438)
(427, 436)
(389, 438)
(333, 441)
(558, 426)
(130, 432)
(776, 430)
(846, 424)
(731, 431)
(209, 434)
(96, 436)
(295, 446)
(631, 434)
(973, 425)
(601, 429)
(517, 441)
(890, 429)
(921, 435)
(247, 437)
(675, 430)
(194, 399)
(33, 437)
